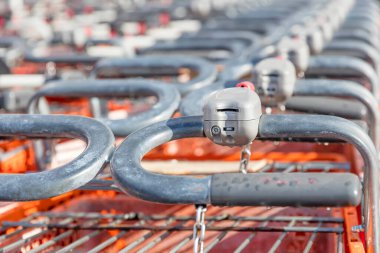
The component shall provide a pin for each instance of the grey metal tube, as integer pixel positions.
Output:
(46, 184)
(235, 71)
(279, 189)
(357, 35)
(357, 49)
(366, 15)
(341, 107)
(252, 40)
(365, 25)
(261, 28)
(234, 48)
(249, 38)
(344, 89)
(63, 59)
(192, 104)
(343, 66)
(131, 177)
(167, 96)
(299, 126)
(206, 72)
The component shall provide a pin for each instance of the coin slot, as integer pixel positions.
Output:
(227, 110)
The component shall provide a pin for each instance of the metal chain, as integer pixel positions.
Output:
(244, 158)
(199, 229)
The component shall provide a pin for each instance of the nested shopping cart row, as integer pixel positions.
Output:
(204, 126)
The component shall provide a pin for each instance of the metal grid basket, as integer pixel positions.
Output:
(123, 224)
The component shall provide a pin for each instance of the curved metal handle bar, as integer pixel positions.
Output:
(4, 68)
(367, 13)
(228, 25)
(12, 41)
(132, 178)
(340, 107)
(234, 71)
(357, 49)
(62, 59)
(365, 25)
(257, 17)
(206, 72)
(262, 15)
(248, 37)
(288, 127)
(251, 40)
(341, 66)
(274, 12)
(344, 89)
(235, 48)
(192, 104)
(14, 44)
(42, 185)
(365, 10)
(94, 42)
(357, 35)
(167, 96)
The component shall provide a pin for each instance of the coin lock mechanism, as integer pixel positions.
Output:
(275, 80)
(231, 116)
(311, 34)
(297, 51)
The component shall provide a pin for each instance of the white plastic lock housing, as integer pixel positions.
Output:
(231, 116)
(274, 79)
(311, 34)
(297, 51)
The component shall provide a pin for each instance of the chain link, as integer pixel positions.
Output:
(244, 158)
(199, 229)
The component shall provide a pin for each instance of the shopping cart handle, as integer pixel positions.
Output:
(353, 48)
(235, 70)
(364, 108)
(343, 67)
(261, 28)
(358, 35)
(186, 47)
(50, 183)
(319, 96)
(167, 96)
(132, 178)
(329, 106)
(71, 59)
(366, 25)
(151, 65)
(341, 89)
(360, 13)
(286, 189)
(248, 38)
(4, 68)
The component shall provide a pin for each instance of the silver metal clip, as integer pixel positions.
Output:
(244, 158)
(199, 229)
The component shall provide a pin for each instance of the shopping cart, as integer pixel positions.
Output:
(310, 183)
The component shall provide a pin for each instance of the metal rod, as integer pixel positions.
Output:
(281, 238)
(46, 184)
(182, 228)
(311, 240)
(249, 239)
